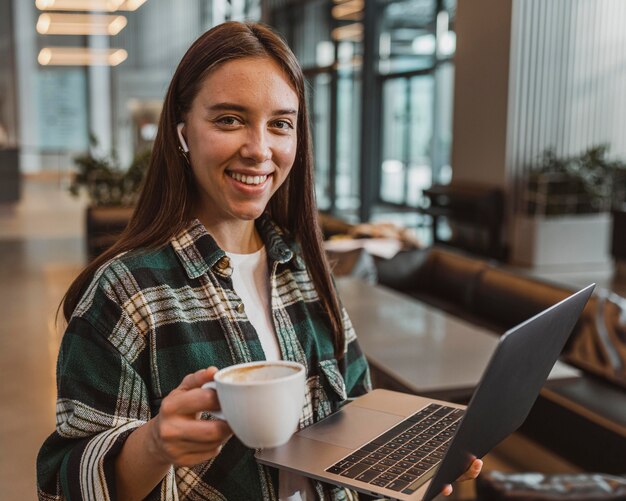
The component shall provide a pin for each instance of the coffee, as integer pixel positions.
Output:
(265, 372)
(262, 401)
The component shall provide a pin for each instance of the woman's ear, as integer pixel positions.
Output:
(179, 131)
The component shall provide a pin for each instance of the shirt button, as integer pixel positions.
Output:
(240, 308)
(223, 263)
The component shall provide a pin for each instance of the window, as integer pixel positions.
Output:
(412, 94)
(417, 91)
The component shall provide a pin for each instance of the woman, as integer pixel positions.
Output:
(221, 263)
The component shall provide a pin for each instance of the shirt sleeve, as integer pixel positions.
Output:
(101, 400)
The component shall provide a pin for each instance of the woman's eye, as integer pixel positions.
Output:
(228, 121)
(283, 124)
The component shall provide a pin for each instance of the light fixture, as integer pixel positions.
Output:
(350, 32)
(352, 9)
(132, 4)
(80, 56)
(89, 5)
(80, 24)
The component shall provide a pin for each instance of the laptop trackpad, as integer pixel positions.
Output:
(351, 427)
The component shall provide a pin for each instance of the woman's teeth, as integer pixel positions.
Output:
(247, 179)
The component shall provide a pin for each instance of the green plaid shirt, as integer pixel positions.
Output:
(151, 317)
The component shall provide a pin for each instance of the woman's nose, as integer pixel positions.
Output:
(256, 146)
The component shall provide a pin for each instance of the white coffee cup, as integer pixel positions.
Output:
(261, 401)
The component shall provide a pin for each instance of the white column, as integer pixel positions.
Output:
(24, 19)
(100, 103)
(481, 84)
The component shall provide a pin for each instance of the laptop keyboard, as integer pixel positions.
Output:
(400, 457)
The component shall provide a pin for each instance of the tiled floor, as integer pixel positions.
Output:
(41, 250)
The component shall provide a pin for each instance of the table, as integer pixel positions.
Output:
(416, 348)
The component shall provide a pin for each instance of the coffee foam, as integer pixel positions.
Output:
(258, 373)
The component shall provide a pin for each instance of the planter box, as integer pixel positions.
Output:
(9, 175)
(562, 240)
(104, 225)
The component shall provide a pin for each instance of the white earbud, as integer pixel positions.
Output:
(183, 143)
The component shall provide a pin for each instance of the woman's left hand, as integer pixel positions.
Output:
(471, 473)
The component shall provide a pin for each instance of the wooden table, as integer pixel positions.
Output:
(417, 348)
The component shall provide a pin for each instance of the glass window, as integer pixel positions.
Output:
(411, 96)
(348, 137)
(421, 137)
(407, 139)
(394, 136)
(443, 113)
(306, 27)
(417, 72)
(319, 106)
(408, 36)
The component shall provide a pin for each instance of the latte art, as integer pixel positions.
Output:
(258, 373)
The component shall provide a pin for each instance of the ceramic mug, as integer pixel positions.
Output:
(261, 401)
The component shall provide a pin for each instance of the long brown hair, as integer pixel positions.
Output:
(167, 199)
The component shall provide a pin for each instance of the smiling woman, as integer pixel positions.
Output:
(221, 263)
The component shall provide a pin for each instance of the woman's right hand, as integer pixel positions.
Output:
(176, 435)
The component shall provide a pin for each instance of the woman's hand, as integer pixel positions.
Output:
(173, 437)
(176, 435)
(471, 473)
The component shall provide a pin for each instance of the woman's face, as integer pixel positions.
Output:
(241, 133)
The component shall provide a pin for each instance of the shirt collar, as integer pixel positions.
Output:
(198, 251)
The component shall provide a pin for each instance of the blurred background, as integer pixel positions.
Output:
(494, 128)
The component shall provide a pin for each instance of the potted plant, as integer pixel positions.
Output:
(565, 212)
(112, 192)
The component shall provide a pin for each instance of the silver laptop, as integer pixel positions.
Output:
(406, 447)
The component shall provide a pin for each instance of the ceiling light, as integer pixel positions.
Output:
(352, 9)
(80, 24)
(89, 5)
(132, 4)
(80, 56)
(84, 5)
(352, 32)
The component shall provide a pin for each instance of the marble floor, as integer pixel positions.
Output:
(41, 250)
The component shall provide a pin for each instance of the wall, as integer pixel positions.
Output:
(481, 90)
(532, 74)
(568, 79)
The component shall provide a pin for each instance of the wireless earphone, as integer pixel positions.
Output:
(183, 143)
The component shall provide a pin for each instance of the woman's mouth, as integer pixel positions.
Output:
(250, 180)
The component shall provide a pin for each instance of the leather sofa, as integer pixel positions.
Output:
(582, 419)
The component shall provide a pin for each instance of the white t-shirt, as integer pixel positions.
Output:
(251, 281)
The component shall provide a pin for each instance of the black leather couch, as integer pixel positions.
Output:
(584, 419)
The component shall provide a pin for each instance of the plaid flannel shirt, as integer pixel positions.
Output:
(148, 319)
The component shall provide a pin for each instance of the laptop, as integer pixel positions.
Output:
(406, 447)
